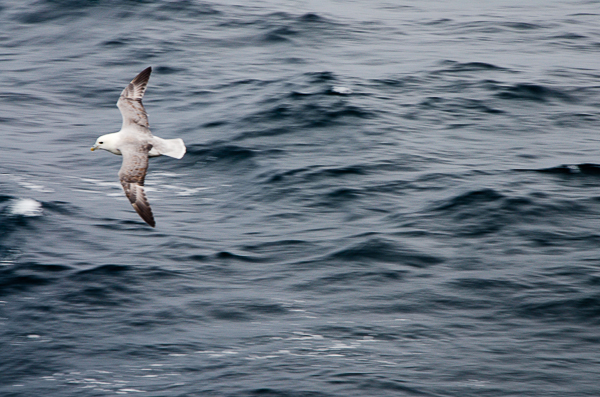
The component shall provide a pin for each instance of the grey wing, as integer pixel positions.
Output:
(130, 101)
(132, 175)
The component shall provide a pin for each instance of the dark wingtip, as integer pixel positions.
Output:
(145, 213)
(147, 217)
(143, 76)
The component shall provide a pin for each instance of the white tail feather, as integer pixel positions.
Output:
(169, 147)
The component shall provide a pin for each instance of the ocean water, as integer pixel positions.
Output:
(379, 198)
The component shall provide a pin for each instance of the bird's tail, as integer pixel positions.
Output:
(169, 147)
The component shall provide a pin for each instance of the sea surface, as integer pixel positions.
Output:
(379, 198)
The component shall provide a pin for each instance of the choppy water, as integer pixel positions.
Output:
(379, 198)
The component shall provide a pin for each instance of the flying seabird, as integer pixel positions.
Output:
(136, 144)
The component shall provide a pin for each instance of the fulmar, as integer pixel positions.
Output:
(136, 144)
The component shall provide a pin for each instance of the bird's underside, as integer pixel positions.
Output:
(136, 143)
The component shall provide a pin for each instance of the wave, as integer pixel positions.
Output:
(385, 250)
(486, 211)
(459, 106)
(569, 169)
(312, 113)
(45, 11)
(283, 28)
(533, 92)
(580, 308)
(29, 275)
(451, 67)
(17, 215)
(218, 152)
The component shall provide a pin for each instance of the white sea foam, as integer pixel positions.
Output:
(25, 207)
(341, 90)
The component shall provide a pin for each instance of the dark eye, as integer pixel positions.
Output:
(101, 143)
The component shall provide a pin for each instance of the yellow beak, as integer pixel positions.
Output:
(93, 148)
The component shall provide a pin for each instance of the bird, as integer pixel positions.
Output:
(136, 144)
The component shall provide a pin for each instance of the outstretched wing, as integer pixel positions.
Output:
(130, 101)
(132, 175)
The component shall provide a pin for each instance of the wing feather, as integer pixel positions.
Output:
(132, 175)
(130, 101)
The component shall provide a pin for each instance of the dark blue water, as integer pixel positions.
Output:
(379, 198)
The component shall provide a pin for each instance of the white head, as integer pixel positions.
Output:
(107, 142)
